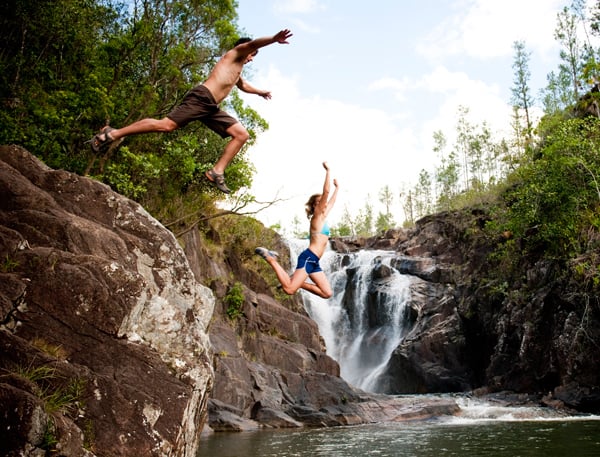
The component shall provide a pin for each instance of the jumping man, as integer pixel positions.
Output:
(202, 104)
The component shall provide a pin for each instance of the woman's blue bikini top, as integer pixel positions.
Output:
(324, 231)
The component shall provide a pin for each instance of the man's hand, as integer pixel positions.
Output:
(265, 94)
(282, 36)
(325, 166)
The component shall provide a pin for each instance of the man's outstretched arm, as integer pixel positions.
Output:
(252, 46)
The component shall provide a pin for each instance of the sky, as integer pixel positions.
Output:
(364, 85)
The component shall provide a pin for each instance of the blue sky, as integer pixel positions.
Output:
(364, 85)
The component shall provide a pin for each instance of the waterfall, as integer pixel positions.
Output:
(367, 316)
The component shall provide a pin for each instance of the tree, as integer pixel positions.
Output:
(447, 178)
(385, 221)
(555, 205)
(570, 53)
(422, 195)
(464, 131)
(522, 99)
(69, 66)
(346, 225)
(407, 205)
(50, 75)
(298, 228)
(364, 220)
(595, 19)
(591, 67)
(439, 146)
(557, 94)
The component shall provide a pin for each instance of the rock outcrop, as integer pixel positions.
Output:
(103, 341)
(538, 336)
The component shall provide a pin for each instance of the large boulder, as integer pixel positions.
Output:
(99, 309)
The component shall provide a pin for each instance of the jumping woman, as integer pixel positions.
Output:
(317, 209)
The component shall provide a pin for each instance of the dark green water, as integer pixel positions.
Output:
(547, 438)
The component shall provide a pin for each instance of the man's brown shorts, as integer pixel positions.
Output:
(199, 105)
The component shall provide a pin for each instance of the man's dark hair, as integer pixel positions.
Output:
(242, 40)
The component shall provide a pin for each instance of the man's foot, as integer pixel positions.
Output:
(101, 141)
(218, 180)
(265, 253)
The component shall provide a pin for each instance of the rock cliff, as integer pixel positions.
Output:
(538, 336)
(103, 342)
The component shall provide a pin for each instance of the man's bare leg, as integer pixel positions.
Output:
(144, 126)
(239, 136)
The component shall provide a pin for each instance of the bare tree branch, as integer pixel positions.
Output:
(239, 204)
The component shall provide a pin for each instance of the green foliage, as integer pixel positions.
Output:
(49, 74)
(557, 195)
(364, 221)
(35, 374)
(68, 67)
(235, 300)
(340, 230)
(299, 228)
(56, 398)
(243, 234)
(385, 221)
(63, 399)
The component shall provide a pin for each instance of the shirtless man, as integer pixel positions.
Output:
(202, 104)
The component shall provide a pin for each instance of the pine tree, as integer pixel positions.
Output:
(522, 99)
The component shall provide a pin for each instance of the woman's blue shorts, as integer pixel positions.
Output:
(309, 261)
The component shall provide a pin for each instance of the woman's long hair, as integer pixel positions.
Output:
(310, 205)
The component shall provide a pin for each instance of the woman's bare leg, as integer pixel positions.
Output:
(321, 286)
(290, 284)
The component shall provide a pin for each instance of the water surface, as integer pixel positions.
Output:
(497, 438)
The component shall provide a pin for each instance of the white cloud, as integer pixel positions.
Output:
(486, 29)
(365, 149)
(297, 6)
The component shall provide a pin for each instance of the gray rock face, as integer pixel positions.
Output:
(99, 297)
(471, 333)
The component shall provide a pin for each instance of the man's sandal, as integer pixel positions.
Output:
(265, 253)
(101, 141)
(218, 180)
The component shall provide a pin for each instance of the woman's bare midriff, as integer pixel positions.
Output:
(318, 244)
